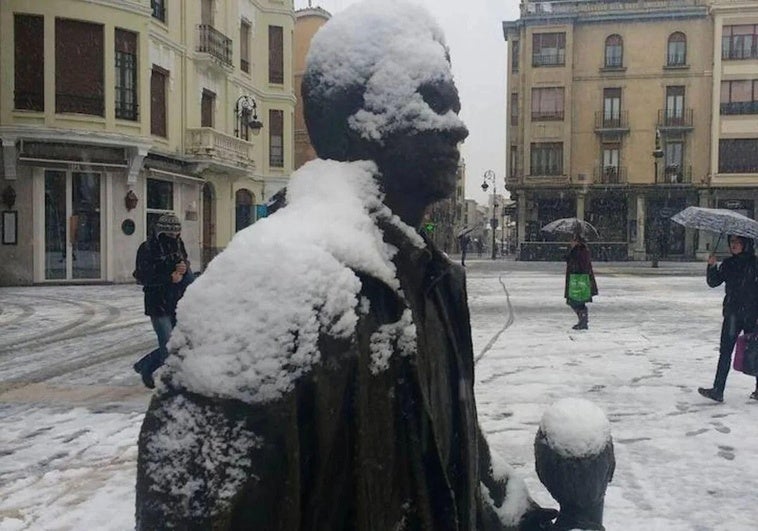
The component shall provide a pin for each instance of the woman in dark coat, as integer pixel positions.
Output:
(738, 273)
(578, 261)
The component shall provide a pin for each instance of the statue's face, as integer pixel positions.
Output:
(424, 163)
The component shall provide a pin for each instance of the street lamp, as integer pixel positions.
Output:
(656, 236)
(489, 175)
(246, 116)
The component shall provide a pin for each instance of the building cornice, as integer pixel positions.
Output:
(313, 12)
(130, 6)
(73, 136)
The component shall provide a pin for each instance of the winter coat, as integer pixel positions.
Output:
(348, 448)
(578, 261)
(155, 267)
(738, 272)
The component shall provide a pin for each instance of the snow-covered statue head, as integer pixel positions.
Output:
(378, 86)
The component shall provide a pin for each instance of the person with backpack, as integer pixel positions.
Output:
(164, 272)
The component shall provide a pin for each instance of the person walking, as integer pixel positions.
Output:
(464, 242)
(578, 261)
(740, 307)
(164, 271)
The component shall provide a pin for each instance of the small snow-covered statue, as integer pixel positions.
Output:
(321, 374)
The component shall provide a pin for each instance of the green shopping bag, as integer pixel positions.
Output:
(579, 287)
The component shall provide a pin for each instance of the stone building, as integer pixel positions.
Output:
(116, 111)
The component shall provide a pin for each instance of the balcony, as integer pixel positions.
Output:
(610, 175)
(675, 175)
(739, 107)
(225, 152)
(669, 120)
(611, 123)
(214, 43)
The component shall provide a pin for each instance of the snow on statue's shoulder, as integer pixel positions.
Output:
(576, 428)
(248, 327)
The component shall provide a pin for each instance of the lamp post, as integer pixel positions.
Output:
(246, 116)
(656, 243)
(489, 176)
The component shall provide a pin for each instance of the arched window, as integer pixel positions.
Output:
(677, 49)
(614, 51)
(243, 210)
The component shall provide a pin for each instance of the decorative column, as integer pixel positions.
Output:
(705, 239)
(580, 199)
(639, 246)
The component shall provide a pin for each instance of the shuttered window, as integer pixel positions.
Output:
(79, 89)
(29, 54)
(276, 138)
(158, 112)
(207, 108)
(275, 54)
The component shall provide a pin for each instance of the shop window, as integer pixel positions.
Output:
(160, 200)
(244, 209)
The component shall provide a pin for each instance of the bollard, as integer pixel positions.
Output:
(574, 458)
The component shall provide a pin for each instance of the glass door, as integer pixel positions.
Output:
(73, 216)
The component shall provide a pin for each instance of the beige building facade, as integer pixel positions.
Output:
(113, 112)
(307, 22)
(611, 120)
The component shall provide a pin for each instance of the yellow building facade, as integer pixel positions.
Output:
(113, 112)
(613, 118)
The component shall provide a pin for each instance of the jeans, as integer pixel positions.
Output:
(733, 325)
(162, 324)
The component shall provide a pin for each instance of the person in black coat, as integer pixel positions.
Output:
(164, 272)
(738, 273)
(578, 260)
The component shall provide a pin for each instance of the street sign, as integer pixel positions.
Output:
(429, 227)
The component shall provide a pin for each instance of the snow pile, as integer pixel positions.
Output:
(517, 500)
(249, 326)
(392, 48)
(198, 456)
(575, 427)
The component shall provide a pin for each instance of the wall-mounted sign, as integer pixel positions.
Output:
(127, 227)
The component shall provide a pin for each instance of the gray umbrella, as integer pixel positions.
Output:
(718, 220)
(571, 226)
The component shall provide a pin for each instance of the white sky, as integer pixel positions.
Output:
(473, 31)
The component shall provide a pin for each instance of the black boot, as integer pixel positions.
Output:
(583, 323)
(712, 393)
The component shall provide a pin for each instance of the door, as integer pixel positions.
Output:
(73, 222)
(612, 107)
(674, 106)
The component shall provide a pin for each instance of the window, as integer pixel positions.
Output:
(159, 9)
(739, 97)
(612, 108)
(674, 159)
(158, 111)
(29, 54)
(514, 108)
(513, 162)
(160, 200)
(547, 104)
(275, 54)
(80, 89)
(207, 12)
(674, 106)
(738, 155)
(207, 108)
(610, 167)
(739, 42)
(548, 49)
(547, 158)
(614, 52)
(515, 50)
(245, 46)
(126, 74)
(677, 50)
(276, 139)
(243, 209)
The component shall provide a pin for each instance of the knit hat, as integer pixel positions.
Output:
(168, 223)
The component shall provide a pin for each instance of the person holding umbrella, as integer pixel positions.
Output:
(580, 284)
(738, 274)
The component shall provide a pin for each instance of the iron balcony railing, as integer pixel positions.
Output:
(675, 119)
(739, 107)
(549, 58)
(675, 175)
(618, 121)
(214, 43)
(547, 116)
(610, 175)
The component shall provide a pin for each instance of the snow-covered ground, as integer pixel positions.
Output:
(71, 407)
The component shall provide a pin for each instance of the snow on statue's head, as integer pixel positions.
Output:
(378, 86)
